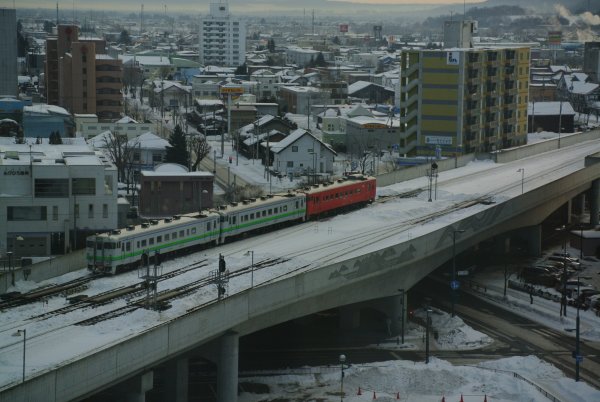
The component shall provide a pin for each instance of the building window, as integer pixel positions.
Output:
(91, 211)
(108, 180)
(51, 188)
(55, 213)
(290, 164)
(105, 210)
(26, 213)
(294, 148)
(83, 186)
(76, 211)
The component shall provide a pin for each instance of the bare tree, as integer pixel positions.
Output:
(199, 149)
(121, 152)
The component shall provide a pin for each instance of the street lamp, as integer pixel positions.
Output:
(402, 314)
(12, 274)
(24, 333)
(522, 170)
(427, 324)
(251, 252)
(342, 361)
(563, 300)
(454, 283)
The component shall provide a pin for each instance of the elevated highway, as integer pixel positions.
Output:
(366, 263)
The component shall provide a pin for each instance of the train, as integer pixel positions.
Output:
(156, 239)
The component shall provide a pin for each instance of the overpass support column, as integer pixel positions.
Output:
(349, 318)
(393, 307)
(579, 204)
(137, 387)
(177, 379)
(533, 236)
(594, 199)
(227, 371)
(569, 207)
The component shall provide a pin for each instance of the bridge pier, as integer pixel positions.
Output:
(533, 236)
(579, 205)
(176, 379)
(349, 318)
(134, 390)
(227, 370)
(594, 200)
(398, 312)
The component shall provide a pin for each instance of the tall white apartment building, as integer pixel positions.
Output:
(222, 37)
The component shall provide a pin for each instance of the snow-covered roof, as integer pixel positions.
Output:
(357, 86)
(149, 141)
(550, 108)
(46, 109)
(125, 120)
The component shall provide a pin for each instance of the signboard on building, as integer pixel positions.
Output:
(452, 58)
(554, 38)
(438, 140)
(231, 90)
(343, 27)
(374, 125)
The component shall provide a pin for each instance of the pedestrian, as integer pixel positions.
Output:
(531, 296)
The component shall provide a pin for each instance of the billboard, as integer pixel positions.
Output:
(452, 58)
(343, 27)
(554, 38)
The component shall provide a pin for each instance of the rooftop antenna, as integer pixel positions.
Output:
(56, 14)
(313, 21)
(73, 12)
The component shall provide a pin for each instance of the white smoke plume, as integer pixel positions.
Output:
(585, 18)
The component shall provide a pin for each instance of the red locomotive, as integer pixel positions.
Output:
(353, 191)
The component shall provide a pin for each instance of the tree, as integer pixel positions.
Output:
(199, 150)
(320, 60)
(121, 151)
(241, 70)
(55, 138)
(124, 38)
(177, 151)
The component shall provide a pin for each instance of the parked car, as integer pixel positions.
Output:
(539, 276)
(570, 262)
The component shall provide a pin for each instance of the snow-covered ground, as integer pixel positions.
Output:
(337, 240)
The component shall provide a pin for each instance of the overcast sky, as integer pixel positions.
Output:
(201, 6)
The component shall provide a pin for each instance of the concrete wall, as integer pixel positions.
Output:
(45, 269)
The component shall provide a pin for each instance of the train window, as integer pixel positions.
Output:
(270, 211)
(284, 208)
(252, 215)
(337, 195)
(138, 244)
(358, 190)
(159, 239)
(297, 206)
(233, 220)
(143, 243)
(122, 246)
(181, 233)
(128, 246)
(187, 232)
(264, 213)
(174, 235)
(193, 230)
(208, 226)
(151, 241)
(167, 237)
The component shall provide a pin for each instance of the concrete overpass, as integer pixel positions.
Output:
(375, 276)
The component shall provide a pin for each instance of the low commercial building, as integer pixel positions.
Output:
(53, 196)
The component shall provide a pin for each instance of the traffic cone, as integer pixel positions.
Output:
(398, 395)
(374, 395)
(359, 391)
(461, 398)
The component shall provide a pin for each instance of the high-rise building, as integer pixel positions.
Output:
(222, 37)
(591, 60)
(464, 100)
(459, 33)
(81, 77)
(8, 52)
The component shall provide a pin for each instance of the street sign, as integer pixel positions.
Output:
(454, 285)
(462, 273)
(579, 358)
(231, 90)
